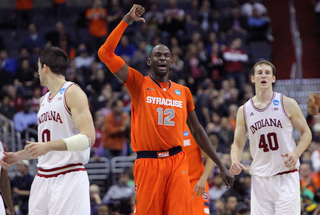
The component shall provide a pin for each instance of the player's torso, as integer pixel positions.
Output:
(55, 122)
(270, 134)
(195, 163)
(160, 117)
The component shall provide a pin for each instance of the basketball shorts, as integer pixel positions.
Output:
(60, 194)
(276, 195)
(200, 204)
(161, 183)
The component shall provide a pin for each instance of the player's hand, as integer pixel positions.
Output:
(313, 103)
(200, 187)
(36, 149)
(236, 168)
(290, 160)
(227, 177)
(135, 14)
(8, 159)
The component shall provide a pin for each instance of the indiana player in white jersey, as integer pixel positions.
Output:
(5, 188)
(65, 134)
(268, 119)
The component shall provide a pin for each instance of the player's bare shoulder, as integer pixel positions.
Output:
(75, 96)
(291, 106)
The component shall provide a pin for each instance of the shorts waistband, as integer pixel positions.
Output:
(159, 154)
(55, 172)
(286, 172)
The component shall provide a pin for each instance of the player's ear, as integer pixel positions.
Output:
(273, 79)
(148, 61)
(252, 78)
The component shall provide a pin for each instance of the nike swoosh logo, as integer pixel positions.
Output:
(184, 172)
(150, 89)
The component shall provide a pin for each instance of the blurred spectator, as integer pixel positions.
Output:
(119, 191)
(56, 35)
(24, 13)
(154, 15)
(257, 27)
(202, 102)
(35, 41)
(116, 127)
(215, 65)
(97, 16)
(21, 185)
(217, 22)
(192, 23)
(316, 132)
(174, 23)
(146, 33)
(95, 199)
(231, 205)
(307, 179)
(24, 54)
(5, 77)
(97, 81)
(125, 47)
(226, 133)
(98, 126)
(7, 108)
(139, 58)
(236, 23)
(103, 210)
(205, 18)
(75, 75)
(25, 79)
(232, 115)
(35, 100)
(247, 8)
(315, 159)
(59, 7)
(234, 59)
(242, 209)
(25, 118)
(219, 187)
(16, 99)
(83, 60)
(8, 64)
(103, 99)
(115, 14)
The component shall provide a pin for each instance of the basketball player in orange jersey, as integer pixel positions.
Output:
(160, 110)
(65, 134)
(268, 120)
(198, 174)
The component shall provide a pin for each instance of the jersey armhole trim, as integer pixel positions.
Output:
(282, 107)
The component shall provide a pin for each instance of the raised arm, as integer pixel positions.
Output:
(106, 52)
(238, 144)
(206, 146)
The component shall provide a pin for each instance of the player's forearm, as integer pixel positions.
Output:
(305, 140)
(6, 193)
(236, 153)
(208, 167)
(57, 145)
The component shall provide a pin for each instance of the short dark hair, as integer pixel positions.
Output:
(55, 58)
(266, 63)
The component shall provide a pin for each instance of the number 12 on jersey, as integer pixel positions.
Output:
(170, 114)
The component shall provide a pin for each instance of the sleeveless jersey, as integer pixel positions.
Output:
(195, 163)
(55, 122)
(158, 115)
(270, 134)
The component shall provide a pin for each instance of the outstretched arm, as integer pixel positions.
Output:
(106, 52)
(238, 144)
(205, 145)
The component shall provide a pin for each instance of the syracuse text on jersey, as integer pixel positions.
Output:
(49, 115)
(265, 122)
(163, 101)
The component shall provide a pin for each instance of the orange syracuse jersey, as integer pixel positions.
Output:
(195, 163)
(159, 112)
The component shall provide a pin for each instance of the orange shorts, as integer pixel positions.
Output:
(162, 185)
(200, 204)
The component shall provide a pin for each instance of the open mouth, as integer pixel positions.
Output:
(263, 82)
(162, 67)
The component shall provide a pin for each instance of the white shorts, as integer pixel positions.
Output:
(276, 195)
(61, 195)
(2, 209)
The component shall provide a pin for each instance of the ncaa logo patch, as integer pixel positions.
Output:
(276, 102)
(62, 90)
(186, 133)
(177, 92)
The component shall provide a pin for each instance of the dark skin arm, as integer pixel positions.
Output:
(206, 146)
(6, 190)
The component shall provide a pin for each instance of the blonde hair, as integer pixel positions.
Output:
(266, 63)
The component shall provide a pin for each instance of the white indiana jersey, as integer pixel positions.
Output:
(55, 122)
(270, 134)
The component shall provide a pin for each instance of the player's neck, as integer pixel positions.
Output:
(264, 96)
(55, 84)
